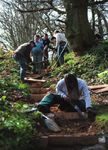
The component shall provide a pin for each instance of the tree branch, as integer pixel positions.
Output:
(61, 21)
(6, 2)
(97, 2)
(34, 10)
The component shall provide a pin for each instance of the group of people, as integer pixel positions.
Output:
(38, 51)
(69, 90)
(33, 52)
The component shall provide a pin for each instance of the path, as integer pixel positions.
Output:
(75, 132)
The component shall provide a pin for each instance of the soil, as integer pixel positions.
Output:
(75, 127)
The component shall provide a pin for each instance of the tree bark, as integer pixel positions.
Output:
(78, 30)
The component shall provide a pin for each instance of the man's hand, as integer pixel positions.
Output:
(91, 114)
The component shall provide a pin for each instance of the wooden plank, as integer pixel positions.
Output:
(72, 140)
(93, 87)
(67, 115)
(101, 90)
(34, 80)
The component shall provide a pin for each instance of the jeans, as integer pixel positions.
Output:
(23, 65)
(51, 99)
(37, 57)
(60, 53)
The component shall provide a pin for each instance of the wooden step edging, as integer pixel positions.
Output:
(99, 88)
(69, 115)
(34, 80)
(69, 140)
(93, 87)
(102, 90)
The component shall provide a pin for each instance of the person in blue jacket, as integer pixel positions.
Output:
(37, 53)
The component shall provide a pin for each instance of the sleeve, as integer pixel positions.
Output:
(59, 89)
(86, 94)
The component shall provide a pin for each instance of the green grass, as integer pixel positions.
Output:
(102, 117)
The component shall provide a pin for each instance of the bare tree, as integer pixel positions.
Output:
(28, 17)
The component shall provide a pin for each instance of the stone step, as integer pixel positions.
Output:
(36, 97)
(40, 90)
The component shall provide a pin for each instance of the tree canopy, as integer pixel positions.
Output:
(21, 19)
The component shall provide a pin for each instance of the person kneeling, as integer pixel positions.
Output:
(68, 94)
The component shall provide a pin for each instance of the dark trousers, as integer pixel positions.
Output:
(51, 99)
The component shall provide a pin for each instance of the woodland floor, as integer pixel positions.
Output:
(77, 127)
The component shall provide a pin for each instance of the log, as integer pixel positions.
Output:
(69, 141)
(102, 90)
(34, 80)
(93, 87)
(67, 115)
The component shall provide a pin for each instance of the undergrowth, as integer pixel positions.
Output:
(89, 67)
(17, 130)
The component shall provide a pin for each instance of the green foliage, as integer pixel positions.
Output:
(17, 128)
(102, 121)
(103, 76)
(37, 115)
(87, 66)
(24, 88)
(18, 123)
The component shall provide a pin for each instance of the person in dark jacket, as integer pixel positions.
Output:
(46, 43)
(22, 56)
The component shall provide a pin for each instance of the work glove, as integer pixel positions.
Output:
(91, 114)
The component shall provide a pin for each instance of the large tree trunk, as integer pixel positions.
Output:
(78, 30)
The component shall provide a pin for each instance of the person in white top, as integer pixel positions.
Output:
(61, 46)
(68, 94)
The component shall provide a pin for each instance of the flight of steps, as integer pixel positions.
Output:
(37, 89)
(56, 141)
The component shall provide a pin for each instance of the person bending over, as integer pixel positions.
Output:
(22, 56)
(70, 91)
